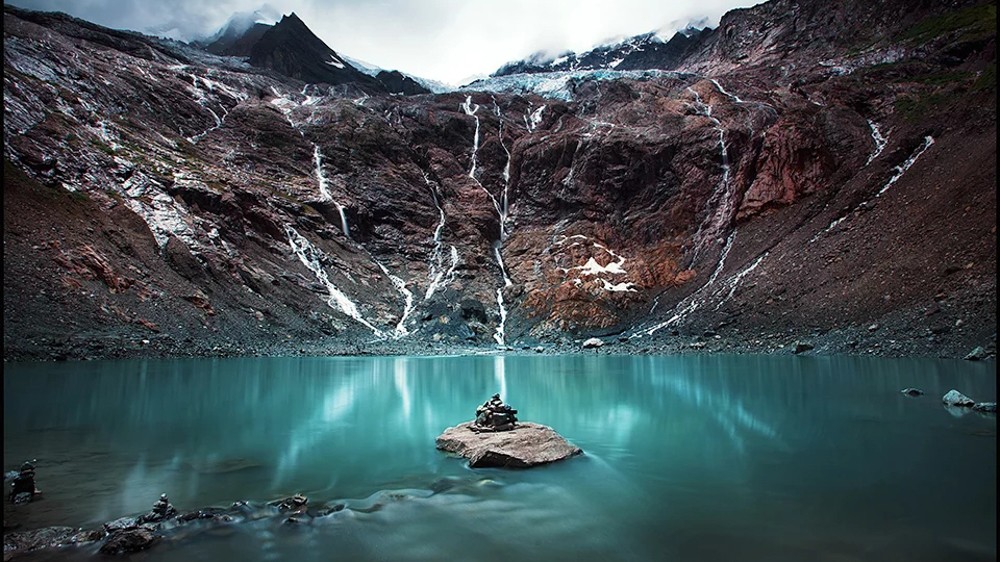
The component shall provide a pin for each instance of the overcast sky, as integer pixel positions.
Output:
(446, 40)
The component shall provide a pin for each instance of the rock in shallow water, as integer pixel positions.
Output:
(129, 540)
(956, 398)
(527, 445)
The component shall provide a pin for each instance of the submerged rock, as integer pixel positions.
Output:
(986, 407)
(212, 513)
(327, 510)
(956, 398)
(120, 524)
(912, 392)
(295, 503)
(527, 445)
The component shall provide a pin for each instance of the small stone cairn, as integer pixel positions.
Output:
(162, 510)
(494, 415)
(23, 485)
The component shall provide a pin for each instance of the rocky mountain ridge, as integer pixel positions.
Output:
(163, 200)
(640, 52)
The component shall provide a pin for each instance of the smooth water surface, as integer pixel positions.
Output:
(691, 458)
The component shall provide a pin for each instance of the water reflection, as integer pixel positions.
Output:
(677, 447)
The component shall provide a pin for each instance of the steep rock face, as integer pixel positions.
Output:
(192, 206)
(292, 49)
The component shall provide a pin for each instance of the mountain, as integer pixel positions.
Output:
(808, 172)
(292, 49)
(635, 53)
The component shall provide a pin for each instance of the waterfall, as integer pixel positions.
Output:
(407, 294)
(879, 140)
(898, 172)
(324, 190)
(722, 197)
(312, 257)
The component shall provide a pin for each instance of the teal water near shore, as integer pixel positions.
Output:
(687, 458)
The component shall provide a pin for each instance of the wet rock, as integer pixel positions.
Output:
(985, 407)
(294, 503)
(120, 524)
(215, 513)
(26, 541)
(801, 347)
(92, 535)
(327, 510)
(912, 392)
(20, 498)
(956, 398)
(593, 343)
(977, 354)
(527, 445)
(129, 540)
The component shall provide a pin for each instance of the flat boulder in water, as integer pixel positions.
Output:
(527, 445)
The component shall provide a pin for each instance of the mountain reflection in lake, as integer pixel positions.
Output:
(686, 458)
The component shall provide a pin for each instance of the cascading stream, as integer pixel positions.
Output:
(722, 197)
(897, 174)
(312, 257)
(438, 277)
(407, 294)
(695, 300)
(879, 140)
(505, 200)
(324, 190)
(470, 109)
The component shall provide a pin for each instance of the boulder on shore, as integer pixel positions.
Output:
(527, 445)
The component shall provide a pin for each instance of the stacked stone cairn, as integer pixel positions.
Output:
(494, 415)
(162, 510)
(23, 486)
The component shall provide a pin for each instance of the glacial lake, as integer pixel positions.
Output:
(687, 458)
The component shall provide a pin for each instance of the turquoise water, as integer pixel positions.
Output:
(690, 458)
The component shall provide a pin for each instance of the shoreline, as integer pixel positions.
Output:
(853, 342)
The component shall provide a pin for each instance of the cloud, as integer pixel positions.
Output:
(446, 40)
